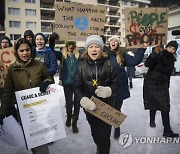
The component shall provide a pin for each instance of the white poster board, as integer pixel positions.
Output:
(41, 116)
(11, 132)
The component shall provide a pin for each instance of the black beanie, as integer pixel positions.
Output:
(28, 33)
(43, 35)
(172, 44)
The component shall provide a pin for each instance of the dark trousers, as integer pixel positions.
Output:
(100, 132)
(165, 118)
(71, 101)
(152, 114)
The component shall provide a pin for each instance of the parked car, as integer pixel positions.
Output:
(141, 70)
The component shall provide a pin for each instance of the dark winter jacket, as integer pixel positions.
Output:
(95, 70)
(123, 92)
(156, 81)
(69, 64)
(23, 76)
(160, 67)
(49, 58)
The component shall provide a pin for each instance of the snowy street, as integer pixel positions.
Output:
(137, 123)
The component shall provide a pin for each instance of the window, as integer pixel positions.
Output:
(124, 2)
(133, 4)
(15, 11)
(123, 11)
(13, 0)
(31, 25)
(30, 1)
(30, 12)
(15, 24)
(15, 36)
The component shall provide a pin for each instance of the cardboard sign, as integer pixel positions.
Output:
(41, 115)
(6, 58)
(107, 113)
(77, 21)
(146, 25)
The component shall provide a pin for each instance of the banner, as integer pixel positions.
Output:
(41, 116)
(76, 21)
(107, 113)
(146, 25)
(6, 58)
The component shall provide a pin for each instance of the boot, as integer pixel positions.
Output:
(152, 118)
(68, 120)
(117, 133)
(97, 152)
(167, 128)
(74, 125)
(130, 84)
(169, 133)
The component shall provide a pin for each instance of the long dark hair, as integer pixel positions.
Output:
(18, 43)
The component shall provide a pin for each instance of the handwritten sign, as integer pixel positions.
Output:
(107, 113)
(148, 25)
(76, 21)
(41, 116)
(6, 58)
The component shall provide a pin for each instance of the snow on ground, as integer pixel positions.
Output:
(137, 123)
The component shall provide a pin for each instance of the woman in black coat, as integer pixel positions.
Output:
(95, 77)
(156, 84)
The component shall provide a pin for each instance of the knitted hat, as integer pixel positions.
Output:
(28, 33)
(45, 38)
(172, 44)
(115, 37)
(94, 39)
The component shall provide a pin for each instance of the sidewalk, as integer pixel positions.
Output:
(137, 123)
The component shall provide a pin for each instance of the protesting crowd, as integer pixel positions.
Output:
(99, 71)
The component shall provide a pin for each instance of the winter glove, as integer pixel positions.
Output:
(60, 83)
(1, 119)
(43, 86)
(103, 92)
(87, 103)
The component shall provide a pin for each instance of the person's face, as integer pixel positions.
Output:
(70, 47)
(171, 49)
(29, 38)
(5, 43)
(24, 52)
(94, 52)
(113, 44)
(40, 42)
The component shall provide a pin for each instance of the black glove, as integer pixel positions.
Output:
(43, 86)
(1, 119)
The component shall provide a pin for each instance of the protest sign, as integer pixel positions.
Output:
(6, 58)
(11, 132)
(107, 113)
(76, 21)
(41, 116)
(149, 25)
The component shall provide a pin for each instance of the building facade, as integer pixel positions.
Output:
(39, 16)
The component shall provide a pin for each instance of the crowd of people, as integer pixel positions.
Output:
(99, 71)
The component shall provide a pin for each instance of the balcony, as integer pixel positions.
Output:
(47, 29)
(47, 5)
(112, 33)
(47, 17)
(2, 29)
(113, 13)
